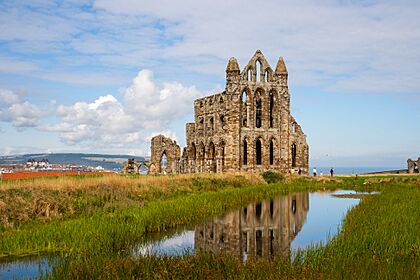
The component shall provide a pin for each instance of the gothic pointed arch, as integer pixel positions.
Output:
(258, 151)
(294, 153)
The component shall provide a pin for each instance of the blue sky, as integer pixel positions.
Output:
(104, 76)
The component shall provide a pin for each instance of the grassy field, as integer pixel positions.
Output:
(92, 221)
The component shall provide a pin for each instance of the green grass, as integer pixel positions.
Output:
(379, 238)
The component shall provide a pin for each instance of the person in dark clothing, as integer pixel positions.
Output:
(332, 172)
(300, 171)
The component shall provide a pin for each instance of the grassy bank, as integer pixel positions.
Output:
(378, 239)
(115, 223)
(44, 200)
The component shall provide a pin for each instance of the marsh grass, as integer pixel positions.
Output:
(378, 239)
(48, 199)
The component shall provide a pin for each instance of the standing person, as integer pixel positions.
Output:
(332, 172)
(300, 171)
(314, 171)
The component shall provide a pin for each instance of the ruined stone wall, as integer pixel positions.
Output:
(262, 229)
(413, 166)
(248, 126)
(164, 149)
(130, 167)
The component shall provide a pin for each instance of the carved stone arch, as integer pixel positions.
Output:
(143, 168)
(211, 150)
(268, 74)
(246, 106)
(259, 102)
(294, 151)
(259, 148)
(272, 150)
(273, 108)
(259, 70)
(249, 74)
(245, 150)
(193, 151)
(201, 151)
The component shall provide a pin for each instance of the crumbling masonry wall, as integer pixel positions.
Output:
(165, 157)
(413, 166)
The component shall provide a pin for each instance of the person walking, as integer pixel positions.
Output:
(332, 172)
(314, 171)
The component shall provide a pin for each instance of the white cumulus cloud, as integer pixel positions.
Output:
(127, 120)
(14, 109)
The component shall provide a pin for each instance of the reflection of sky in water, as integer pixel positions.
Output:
(178, 244)
(323, 221)
(324, 218)
(24, 269)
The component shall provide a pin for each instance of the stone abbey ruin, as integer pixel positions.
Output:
(247, 127)
(261, 229)
(413, 166)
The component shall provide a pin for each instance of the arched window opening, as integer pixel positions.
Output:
(202, 151)
(243, 97)
(294, 155)
(271, 241)
(143, 169)
(294, 206)
(222, 121)
(212, 156)
(258, 112)
(163, 162)
(258, 210)
(245, 153)
(293, 127)
(249, 75)
(271, 109)
(193, 152)
(266, 76)
(223, 155)
(244, 108)
(211, 124)
(258, 243)
(258, 152)
(258, 71)
(271, 208)
(221, 100)
(212, 151)
(271, 152)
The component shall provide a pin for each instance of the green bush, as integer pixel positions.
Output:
(272, 177)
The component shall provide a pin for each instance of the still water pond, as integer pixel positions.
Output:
(24, 268)
(273, 227)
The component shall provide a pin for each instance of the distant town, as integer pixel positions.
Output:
(44, 165)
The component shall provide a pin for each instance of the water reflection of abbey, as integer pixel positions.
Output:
(262, 229)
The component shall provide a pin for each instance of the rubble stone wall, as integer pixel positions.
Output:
(165, 156)
(413, 166)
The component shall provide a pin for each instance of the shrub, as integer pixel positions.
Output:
(272, 177)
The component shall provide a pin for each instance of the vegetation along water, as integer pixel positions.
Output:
(90, 223)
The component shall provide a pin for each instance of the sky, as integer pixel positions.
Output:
(105, 76)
